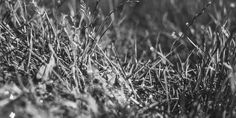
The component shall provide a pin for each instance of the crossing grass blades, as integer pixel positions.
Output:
(134, 60)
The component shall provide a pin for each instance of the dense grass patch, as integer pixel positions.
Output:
(95, 59)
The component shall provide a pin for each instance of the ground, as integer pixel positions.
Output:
(117, 58)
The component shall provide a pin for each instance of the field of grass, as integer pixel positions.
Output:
(117, 59)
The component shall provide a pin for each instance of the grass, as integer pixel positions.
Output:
(129, 59)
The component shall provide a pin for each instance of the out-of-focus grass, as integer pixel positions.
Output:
(169, 58)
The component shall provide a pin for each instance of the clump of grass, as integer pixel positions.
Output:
(89, 64)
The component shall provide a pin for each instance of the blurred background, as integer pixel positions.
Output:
(141, 27)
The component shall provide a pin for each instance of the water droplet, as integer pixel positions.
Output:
(187, 24)
(11, 97)
(151, 48)
(232, 5)
(12, 115)
(173, 34)
(41, 101)
(180, 33)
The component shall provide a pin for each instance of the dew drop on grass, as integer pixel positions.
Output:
(12, 115)
(11, 97)
(173, 34)
(180, 34)
(224, 30)
(151, 48)
(232, 5)
(187, 24)
(41, 101)
(192, 30)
